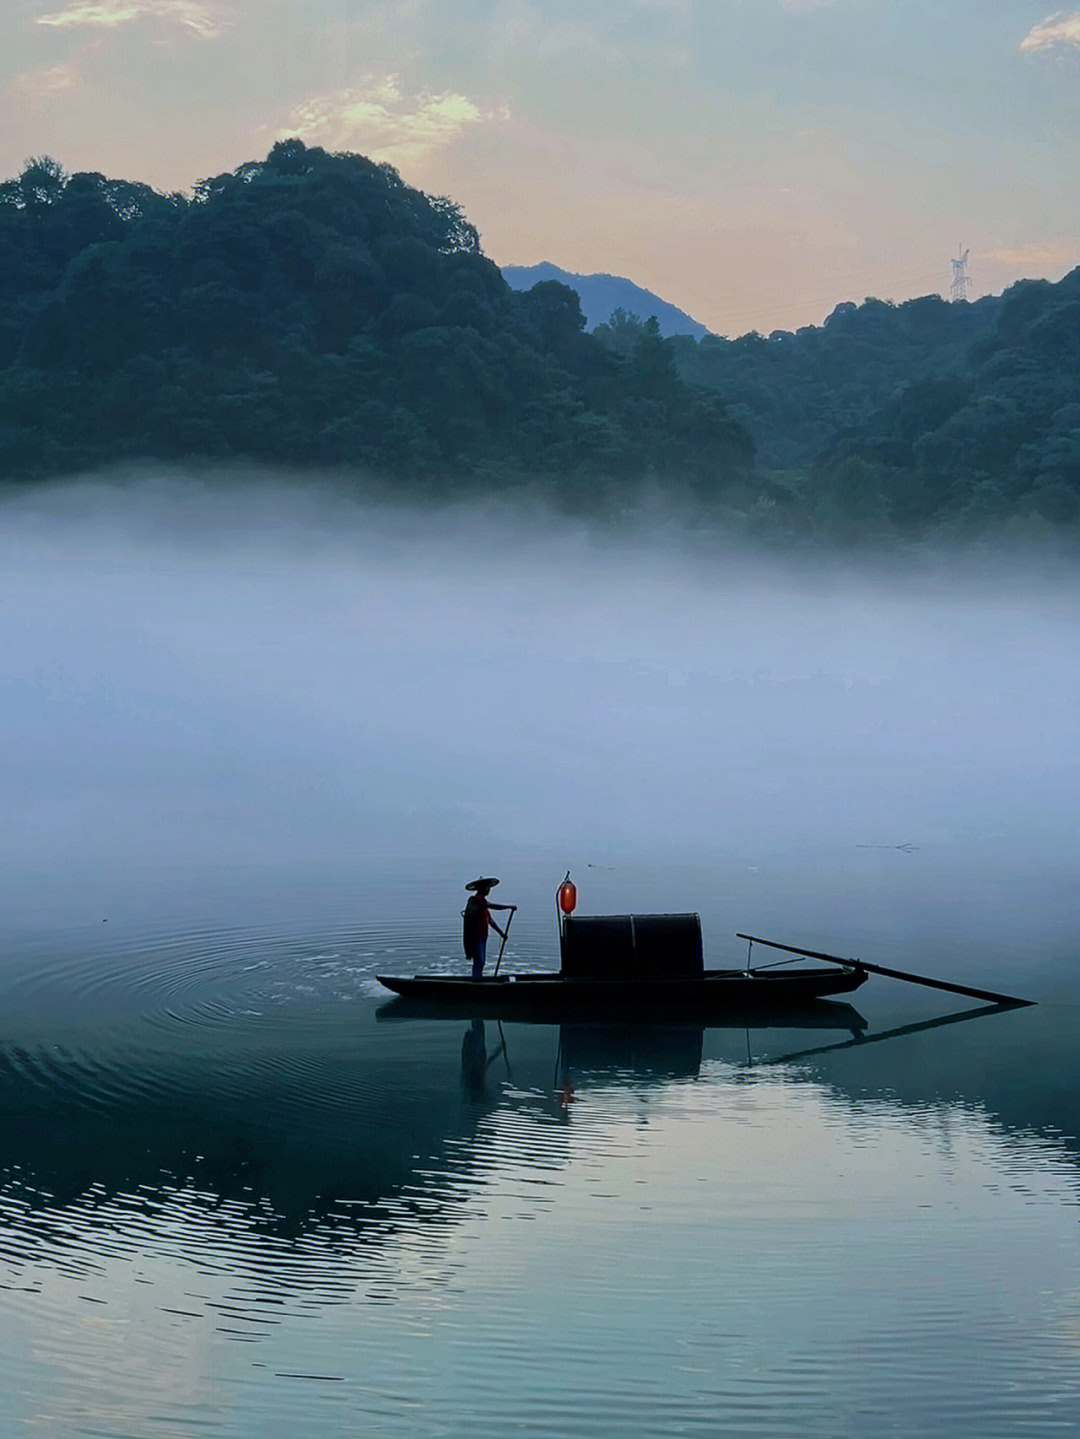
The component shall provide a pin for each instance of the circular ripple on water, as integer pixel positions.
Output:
(233, 978)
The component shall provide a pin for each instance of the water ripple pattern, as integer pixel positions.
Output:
(235, 1199)
(214, 978)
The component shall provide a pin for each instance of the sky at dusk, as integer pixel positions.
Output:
(754, 162)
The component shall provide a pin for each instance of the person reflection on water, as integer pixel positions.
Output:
(475, 1060)
(477, 919)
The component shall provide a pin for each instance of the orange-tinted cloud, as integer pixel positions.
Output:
(378, 119)
(1040, 254)
(39, 84)
(1060, 29)
(206, 21)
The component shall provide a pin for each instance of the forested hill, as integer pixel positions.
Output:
(312, 310)
(924, 418)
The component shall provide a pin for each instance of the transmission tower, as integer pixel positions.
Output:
(960, 278)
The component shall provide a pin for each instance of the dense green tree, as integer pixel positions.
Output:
(962, 411)
(312, 308)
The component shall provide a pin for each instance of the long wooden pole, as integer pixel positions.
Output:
(891, 973)
(506, 933)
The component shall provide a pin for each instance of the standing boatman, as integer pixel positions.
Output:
(477, 920)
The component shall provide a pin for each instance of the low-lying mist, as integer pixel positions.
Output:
(271, 676)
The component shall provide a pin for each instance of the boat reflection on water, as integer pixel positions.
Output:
(921, 1026)
(287, 1140)
(646, 1053)
(619, 1052)
(339, 1137)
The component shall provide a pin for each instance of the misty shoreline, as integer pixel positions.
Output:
(207, 677)
(298, 511)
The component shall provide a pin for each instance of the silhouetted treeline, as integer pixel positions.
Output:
(313, 310)
(924, 419)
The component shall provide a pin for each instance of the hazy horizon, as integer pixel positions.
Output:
(277, 677)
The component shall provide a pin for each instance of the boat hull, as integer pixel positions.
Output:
(716, 993)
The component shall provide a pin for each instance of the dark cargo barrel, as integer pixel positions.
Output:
(668, 944)
(597, 946)
(629, 946)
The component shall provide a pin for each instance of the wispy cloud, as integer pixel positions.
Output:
(41, 84)
(1060, 29)
(1040, 254)
(206, 21)
(377, 118)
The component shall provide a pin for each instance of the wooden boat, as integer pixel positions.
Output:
(634, 966)
(713, 993)
(650, 967)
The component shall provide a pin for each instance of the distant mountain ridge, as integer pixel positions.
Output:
(602, 295)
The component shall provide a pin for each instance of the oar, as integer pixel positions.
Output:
(502, 946)
(891, 973)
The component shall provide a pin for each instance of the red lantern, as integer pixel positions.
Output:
(568, 895)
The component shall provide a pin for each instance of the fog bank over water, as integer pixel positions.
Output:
(271, 677)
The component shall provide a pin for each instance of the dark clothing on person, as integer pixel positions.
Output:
(478, 956)
(477, 919)
(476, 923)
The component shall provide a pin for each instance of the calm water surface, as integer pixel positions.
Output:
(241, 1197)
